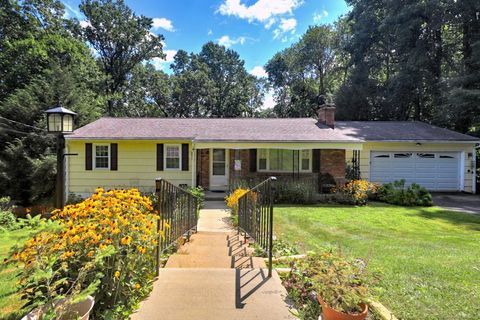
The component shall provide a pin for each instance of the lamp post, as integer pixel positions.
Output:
(60, 122)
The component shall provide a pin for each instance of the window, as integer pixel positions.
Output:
(402, 155)
(426, 155)
(172, 157)
(383, 156)
(102, 156)
(281, 160)
(446, 157)
(305, 160)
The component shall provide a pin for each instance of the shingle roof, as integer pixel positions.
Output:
(398, 131)
(262, 130)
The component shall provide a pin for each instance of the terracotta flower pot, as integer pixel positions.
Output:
(332, 314)
(80, 310)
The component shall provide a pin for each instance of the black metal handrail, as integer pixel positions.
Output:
(178, 214)
(255, 216)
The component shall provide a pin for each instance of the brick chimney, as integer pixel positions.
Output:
(326, 115)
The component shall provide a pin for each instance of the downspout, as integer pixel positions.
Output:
(474, 169)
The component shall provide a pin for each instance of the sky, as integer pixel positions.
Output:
(256, 29)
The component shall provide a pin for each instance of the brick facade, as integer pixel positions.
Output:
(332, 168)
(332, 165)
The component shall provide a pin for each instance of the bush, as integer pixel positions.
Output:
(232, 200)
(341, 282)
(103, 246)
(280, 249)
(294, 192)
(8, 220)
(397, 193)
(357, 192)
(200, 194)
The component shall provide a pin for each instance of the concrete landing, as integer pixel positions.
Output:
(221, 294)
(214, 276)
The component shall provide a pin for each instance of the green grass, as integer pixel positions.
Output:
(10, 303)
(429, 257)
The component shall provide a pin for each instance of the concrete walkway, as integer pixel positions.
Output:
(214, 276)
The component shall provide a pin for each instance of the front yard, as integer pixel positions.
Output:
(429, 257)
(10, 302)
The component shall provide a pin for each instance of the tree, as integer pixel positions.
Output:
(307, 73)
(213, 83)
(122, 40)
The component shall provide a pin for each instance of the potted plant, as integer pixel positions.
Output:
(341, 286)
(337, 283)
(63, 310)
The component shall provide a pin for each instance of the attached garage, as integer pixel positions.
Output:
(436, 171)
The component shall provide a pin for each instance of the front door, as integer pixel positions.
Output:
(219, 169)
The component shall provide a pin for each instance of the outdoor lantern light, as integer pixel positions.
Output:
(60, 120)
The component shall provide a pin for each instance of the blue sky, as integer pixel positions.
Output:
(256, 29)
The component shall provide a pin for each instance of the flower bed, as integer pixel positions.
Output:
(103, 246)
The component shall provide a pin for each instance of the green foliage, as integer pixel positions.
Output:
(109, 22)
(357, 192)
(398, 193)
(199, 193)
(8, 221)
(294, 192)
(280, 248)
(341, 282)
(305, 74)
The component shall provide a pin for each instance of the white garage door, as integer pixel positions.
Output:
(437, 171)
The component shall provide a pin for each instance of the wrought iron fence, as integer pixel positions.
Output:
(255, 216)
(178, 214)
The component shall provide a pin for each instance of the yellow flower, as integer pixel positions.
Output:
(90, 253)
(137, 286)
(126, 240)
(141, 249)
(117, 274)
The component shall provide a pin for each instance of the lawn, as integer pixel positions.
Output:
(429, 257)
(10, 302)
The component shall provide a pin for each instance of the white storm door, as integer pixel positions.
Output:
(219, 169)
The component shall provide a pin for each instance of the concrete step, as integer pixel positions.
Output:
(217, 251)
(215, 294)
(210, 261)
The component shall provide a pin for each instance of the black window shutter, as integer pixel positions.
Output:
(159, 156)
(88, 156)
(316, 160)
(184, 156)
(253, 160)
(114, 156)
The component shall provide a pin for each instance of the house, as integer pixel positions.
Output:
(213, 153)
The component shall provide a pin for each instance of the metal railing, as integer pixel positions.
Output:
(178, 214)
(255, 216)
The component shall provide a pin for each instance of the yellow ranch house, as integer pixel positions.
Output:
(216, 153)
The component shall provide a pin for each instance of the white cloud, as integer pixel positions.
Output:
(258, 71)
(228, 42)
(162, 23)
(319, 16)
(270, 23)
(84, 23)
(286, 25)
(210, 32)
(268, 101)
(262, 10)
(160, 63)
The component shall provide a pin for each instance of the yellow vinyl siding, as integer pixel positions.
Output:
(411, 146)
(137, 167)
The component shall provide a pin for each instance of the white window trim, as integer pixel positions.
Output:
(268, 162)
(95, 155)
(179, 146)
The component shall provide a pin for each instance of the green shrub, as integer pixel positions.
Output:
(399, 194)
(8, 220)
(280, 249)
(200, 194)
(357, 192)
(294, 192)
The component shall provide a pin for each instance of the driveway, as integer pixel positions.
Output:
(457, 202)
